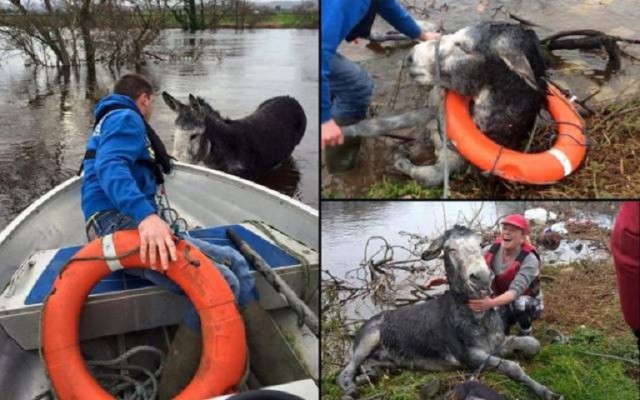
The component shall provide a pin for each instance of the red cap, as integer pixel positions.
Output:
(518, 221)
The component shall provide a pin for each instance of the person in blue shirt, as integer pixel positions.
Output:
(124, 164)
(346, 88)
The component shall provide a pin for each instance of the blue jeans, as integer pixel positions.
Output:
(238, 275)
(351, 89)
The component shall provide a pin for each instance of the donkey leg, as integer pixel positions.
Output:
(513, 370)
(366, 342)
(372, 370)
(527, 345)
(428, 175)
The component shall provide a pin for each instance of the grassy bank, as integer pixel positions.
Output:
(281, 20)
(580, 301)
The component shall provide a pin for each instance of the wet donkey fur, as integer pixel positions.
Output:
(443, 333)
(501, 67)
(248, 147)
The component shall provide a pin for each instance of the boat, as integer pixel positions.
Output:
(122, 310)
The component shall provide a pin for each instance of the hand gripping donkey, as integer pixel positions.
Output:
(443, 333)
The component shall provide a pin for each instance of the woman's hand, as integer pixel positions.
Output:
(484, 304)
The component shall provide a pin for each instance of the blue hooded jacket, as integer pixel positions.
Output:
(339, 17)
(113, 180)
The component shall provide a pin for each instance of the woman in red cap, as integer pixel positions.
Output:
(516, 268)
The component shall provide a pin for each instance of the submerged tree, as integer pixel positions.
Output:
(111, 31)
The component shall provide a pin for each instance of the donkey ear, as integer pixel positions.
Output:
(194, 103)
(516, 61)
(434, 249)
(171, 102)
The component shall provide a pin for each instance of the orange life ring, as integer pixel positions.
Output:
(537, 168)
(223, 359)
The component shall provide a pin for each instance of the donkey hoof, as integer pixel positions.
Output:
(403, 165)
(429, 390)
(350, 394)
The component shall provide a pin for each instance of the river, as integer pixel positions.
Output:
(45, 117)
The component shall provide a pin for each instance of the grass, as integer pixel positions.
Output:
(580, 301)
(401, 189)
(281, 20)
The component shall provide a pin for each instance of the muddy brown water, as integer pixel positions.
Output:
(45, 117)
(584, 73)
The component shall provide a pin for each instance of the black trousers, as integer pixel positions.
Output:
(522, 311)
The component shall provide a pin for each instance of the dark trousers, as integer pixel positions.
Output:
(522, 311)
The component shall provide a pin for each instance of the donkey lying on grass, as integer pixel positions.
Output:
(443, 333)
(247, 147)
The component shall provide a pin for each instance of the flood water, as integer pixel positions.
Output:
(45, 118)
(583, 72)
(347, 226)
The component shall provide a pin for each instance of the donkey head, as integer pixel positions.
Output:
(475, 55)
(466, 269)
(190, 144)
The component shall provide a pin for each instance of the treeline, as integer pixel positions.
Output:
(116, 32)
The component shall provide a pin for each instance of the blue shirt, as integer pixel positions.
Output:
(339, 17)
(113, 180)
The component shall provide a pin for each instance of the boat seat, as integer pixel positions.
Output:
(119, 280)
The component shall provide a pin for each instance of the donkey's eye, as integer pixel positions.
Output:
(193, 136)
(463, 47)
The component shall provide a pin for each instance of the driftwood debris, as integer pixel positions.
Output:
(299, 307)
(589, 39)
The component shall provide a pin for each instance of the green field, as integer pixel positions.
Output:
(282, 20)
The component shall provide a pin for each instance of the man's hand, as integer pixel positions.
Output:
(424, 36)
(155, 235)
(484, 304)
(331, 134)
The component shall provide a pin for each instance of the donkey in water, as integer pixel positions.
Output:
(443, 333)
(247, 147)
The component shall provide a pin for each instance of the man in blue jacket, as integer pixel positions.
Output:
(121, 171)
(346, 88)
(124, 164)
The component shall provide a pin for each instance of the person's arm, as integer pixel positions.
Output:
(526, 274)
(333, 16)
(120, 146)
(487, 303)
(394, 13)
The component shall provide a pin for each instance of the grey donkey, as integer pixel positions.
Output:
(501, 67)
(443, 333)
